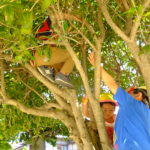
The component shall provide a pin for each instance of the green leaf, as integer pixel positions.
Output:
(134, 10)
(18, 58)
(147, 14)
(39, 51)
(65, 25)
(145, 50)
(47, 52)
(27, 22)
(46, 4)
(139, 9)
(5, 146)
(52, 141)
(25, 148)
(130, 11)
(9, 14)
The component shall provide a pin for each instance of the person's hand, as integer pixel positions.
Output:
(91, 58)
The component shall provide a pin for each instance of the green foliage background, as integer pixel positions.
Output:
(19, 20)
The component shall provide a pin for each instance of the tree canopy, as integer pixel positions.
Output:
(117, 31)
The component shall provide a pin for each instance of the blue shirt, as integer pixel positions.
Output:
(132, 127)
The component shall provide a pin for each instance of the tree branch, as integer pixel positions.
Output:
(6, 57)
(98, 55)
(83, 50)
(90, 28)
(66, 16)
(32, 89)
(52, 87)
(84, 37)
(3, 92)
(109, 20)
(93, 102)
(52, 113)
(62, 103)
(49, 106)
(33, 111)
(80, 122)
(138, 20)
(148, 40)
(34, 4)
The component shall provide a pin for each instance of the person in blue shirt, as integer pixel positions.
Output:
(132, 127)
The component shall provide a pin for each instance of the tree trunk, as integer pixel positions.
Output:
(38, 144)
(143, 60)
(145, 69)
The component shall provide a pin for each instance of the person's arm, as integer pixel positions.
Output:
(85, 104)
(109, 81)
(106, 77)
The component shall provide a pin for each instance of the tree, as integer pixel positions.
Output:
(5, 145)
(117, 31)
(28, 129)
(18, 126)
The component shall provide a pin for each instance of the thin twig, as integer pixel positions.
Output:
(32, 89)
(109, 20)
(138, 20)
(3, 92)
(85, 38)
(34, 4)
